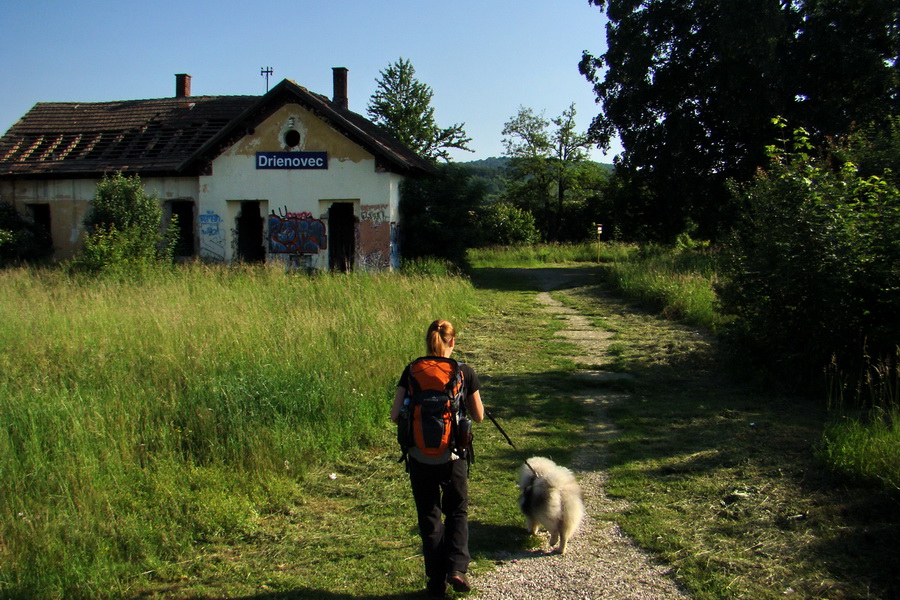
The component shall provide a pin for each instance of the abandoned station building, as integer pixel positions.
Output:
(290, 175)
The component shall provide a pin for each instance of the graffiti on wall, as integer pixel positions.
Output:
(374, 241)
(296, 233)
(395, 246)
(212, 236)
(375, 213)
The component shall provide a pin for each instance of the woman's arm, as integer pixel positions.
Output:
(476, 408)
(398, 403)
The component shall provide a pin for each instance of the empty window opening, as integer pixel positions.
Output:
(292, 138)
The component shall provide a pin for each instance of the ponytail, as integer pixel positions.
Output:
(440, 334)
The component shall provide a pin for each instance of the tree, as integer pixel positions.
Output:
(690, 87)
(545, 165)
(440, 214)
(402, 105)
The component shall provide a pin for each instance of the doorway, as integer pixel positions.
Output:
(341, 236)
(183, 210)
(40, 214)
(250, 233)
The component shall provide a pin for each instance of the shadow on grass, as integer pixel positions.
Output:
(497, 541)
(540, 279)
(735, 445)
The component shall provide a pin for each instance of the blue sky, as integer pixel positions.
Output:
(483, 59)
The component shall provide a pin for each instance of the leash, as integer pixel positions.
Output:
(508, 440)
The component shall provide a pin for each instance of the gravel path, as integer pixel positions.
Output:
(601, 561)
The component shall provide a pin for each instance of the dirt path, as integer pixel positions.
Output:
(601, 561)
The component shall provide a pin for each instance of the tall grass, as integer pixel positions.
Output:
(680, 283)
(138, 418)
(542, 254)
(866, 448)
(862, 440)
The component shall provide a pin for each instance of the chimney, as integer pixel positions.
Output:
(182, 85)
(340, 86)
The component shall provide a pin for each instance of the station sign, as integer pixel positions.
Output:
(291, 160)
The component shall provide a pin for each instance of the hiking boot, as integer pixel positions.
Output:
(458, 582)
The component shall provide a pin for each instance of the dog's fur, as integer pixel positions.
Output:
(551, 497)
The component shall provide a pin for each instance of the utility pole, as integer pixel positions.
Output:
(265, 72)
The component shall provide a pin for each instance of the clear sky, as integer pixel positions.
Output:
(482, 58)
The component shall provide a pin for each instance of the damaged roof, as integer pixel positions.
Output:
(171, 136)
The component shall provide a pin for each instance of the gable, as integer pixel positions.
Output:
(310, 134)
(390, 154)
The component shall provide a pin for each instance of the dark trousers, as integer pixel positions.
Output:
(443, 489)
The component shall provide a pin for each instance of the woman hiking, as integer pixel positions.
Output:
(438, 471)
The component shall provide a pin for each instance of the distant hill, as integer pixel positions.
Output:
(494, 162)
(492, 171)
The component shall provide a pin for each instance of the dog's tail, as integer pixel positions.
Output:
(572, 514)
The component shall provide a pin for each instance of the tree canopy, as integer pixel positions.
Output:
(690, 87)
(402, 105)
(547, 166)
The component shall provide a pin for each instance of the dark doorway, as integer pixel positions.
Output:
(341, 236)
(40, 214)
(250, 233)
(184, 242)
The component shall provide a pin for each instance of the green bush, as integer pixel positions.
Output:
(813, 266)
(124, 227)
(503, 224)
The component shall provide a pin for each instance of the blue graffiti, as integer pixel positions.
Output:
(296, 234)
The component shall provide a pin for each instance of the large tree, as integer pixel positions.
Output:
(690, 87)
(545, 164)
(402, 105)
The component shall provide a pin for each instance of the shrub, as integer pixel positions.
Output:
(503, 224)
(813, 263)
(123, 227)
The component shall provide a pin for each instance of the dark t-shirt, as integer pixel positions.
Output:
(470, 379)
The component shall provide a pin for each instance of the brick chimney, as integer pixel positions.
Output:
(340, 86)
(182, 85)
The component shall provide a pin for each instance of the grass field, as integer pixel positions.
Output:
(216, 433)
(142, 418)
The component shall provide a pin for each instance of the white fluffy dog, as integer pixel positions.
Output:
(551, 497)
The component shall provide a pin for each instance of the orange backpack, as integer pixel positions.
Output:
(436, 401)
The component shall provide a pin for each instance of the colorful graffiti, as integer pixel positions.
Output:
(296, 233)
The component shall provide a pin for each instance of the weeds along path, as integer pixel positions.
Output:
(601, 561)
